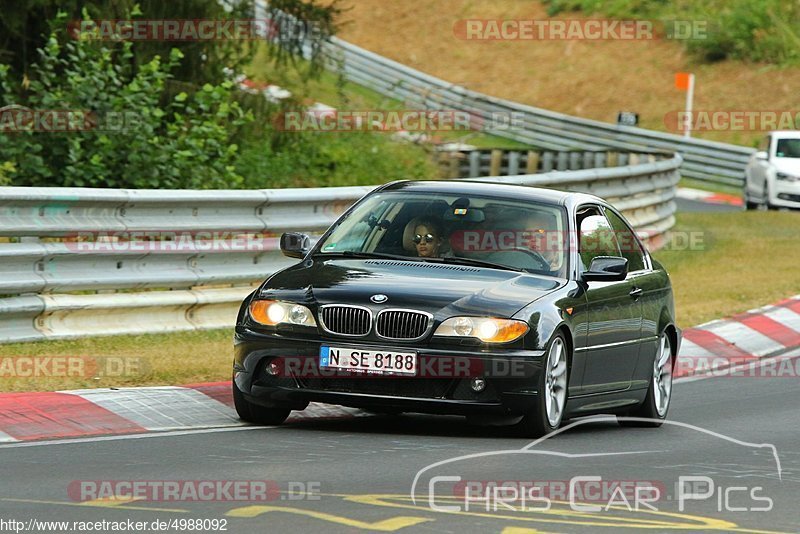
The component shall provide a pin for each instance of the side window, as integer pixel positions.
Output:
(629, 244)
(596, 237)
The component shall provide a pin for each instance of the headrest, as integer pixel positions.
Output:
(408, 235)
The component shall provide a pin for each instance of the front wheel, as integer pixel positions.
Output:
(545, 417)
(656, 404)
(256, 414)
(749, 205)
(767, 203)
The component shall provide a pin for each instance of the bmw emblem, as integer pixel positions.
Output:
(379, 298)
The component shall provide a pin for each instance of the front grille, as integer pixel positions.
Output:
(346, 320)
(402, 324)
(421, 388)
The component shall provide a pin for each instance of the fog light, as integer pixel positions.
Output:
(273, 369)
(478, 385)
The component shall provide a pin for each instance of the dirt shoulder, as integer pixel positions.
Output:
(592, 79)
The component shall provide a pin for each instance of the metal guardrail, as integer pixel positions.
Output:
(510, 162)
(708, 161)
(92, 240)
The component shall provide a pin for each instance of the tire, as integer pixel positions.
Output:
(256, 414)
(769, 206)
(546, 416)
(749, 205)
(659, 394)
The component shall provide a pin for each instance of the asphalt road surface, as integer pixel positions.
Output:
(737, 436)
(685, 204)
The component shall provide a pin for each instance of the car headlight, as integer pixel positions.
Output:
(787, 177)
(487, 329)
(273, 312)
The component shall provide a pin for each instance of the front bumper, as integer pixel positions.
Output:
(442, 384)
(785, 194)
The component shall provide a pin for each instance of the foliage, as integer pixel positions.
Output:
(178, 134)
(333, 159)
(186, 143)
(751, 30)
(26, 24)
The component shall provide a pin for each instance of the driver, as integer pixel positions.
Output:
(427, 238)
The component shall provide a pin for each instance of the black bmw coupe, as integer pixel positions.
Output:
(491, 301)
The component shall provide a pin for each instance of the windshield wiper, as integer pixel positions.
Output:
(366, 255)
(477, 263)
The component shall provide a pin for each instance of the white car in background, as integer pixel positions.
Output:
(772, 176)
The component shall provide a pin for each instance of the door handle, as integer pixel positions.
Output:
(636, 292)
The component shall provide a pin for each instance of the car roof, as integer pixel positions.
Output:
(786, 134)
(496, 190)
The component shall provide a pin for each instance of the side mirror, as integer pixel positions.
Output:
(607, 269)
(762, 155)
(295, 245)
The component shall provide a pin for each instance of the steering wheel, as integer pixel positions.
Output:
(536, 255)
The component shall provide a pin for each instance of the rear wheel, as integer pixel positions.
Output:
(254, 413)
(659, 394)
(546, 415)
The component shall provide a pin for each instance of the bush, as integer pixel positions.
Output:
(751, 30)
(186, 143)
(175, 134)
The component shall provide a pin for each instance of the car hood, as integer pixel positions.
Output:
(787, 165)
(444, 289)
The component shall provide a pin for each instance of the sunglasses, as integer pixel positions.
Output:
(427, 238)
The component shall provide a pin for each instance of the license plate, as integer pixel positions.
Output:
(368, 361)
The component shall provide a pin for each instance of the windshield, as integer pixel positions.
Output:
(519, 235)
(788, 148)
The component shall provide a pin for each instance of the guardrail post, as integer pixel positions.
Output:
(475, 163)
(562, 161)
(588, 160)
(496, 162)
(611, 159)
(547, 161)
(513, 163)
(599, 160)
(574, 161)
(532, 165)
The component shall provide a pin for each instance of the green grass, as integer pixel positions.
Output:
(150, 359)
(747, 259)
